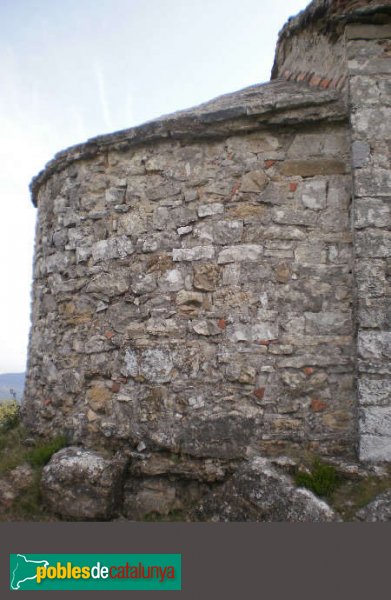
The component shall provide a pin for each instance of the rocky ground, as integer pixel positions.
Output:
(78, 484)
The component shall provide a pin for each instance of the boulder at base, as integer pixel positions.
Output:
(81, 484)
(378, 510)
(258, 492)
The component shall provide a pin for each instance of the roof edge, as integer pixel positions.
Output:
(325, 13)
(273, 104)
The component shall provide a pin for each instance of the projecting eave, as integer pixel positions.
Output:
(275, 104)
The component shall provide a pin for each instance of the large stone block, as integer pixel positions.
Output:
(374, 313)
(379, 510)
(372, 212)
(357, 31)
(360, 154)
(374, 448)
(155, 365)
(313, 167)
(324, 323)
(372, 182)
(376, 420)
(376, 392)
(371, 278)
(239, 253)
(373, 243)
(116, 247)
(259, 492)
(195, 253)
(82, 485)
(374, 345)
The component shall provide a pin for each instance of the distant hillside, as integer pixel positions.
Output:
(14, 381)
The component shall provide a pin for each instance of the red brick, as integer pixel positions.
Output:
(315, 80)
(115, 387)
(308, 370)
(109, 334)
(259, 393)
(292, 187)
(269, 163)
(325, 83)
(317, 405)
(222, 323)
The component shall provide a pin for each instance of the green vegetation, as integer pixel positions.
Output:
(323, 479)
(17, 449)
(14, 452)
(43, 451)
(9, 415)
(355, 494)
(346, 493)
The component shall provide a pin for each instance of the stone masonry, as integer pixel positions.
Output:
(215, 284)
(347, 46)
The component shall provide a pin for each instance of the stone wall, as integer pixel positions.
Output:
(197, 298)
(214, 285)
(369, 63)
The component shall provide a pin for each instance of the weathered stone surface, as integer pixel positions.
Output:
(158, 497)
(374, 392)
(157, 464)
(328, 323)
(13, 483)
(206, 210)
(371, 278)
(310, 168)
(117, 247)
(97, 397)
(143, 284)
(227, 232)
(372, 212)
(374, 244)
(258, 492)
(314, 195)
(252, 333)
(207, 327)
(110, 284)
(375, 345)
(154, 365)
(196, 253)
(206, 276)
(371, 182)
(375, 448)
(199, 280)
(376, 420)
(255, 181)
(171, 281)
(360, 154)
(369, 79)
(81, 484)
(377, 510)
(374, 313)
(368, 32)
(243, 252)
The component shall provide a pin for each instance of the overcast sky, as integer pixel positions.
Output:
(73, 69)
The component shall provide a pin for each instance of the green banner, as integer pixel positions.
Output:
(95, 571)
